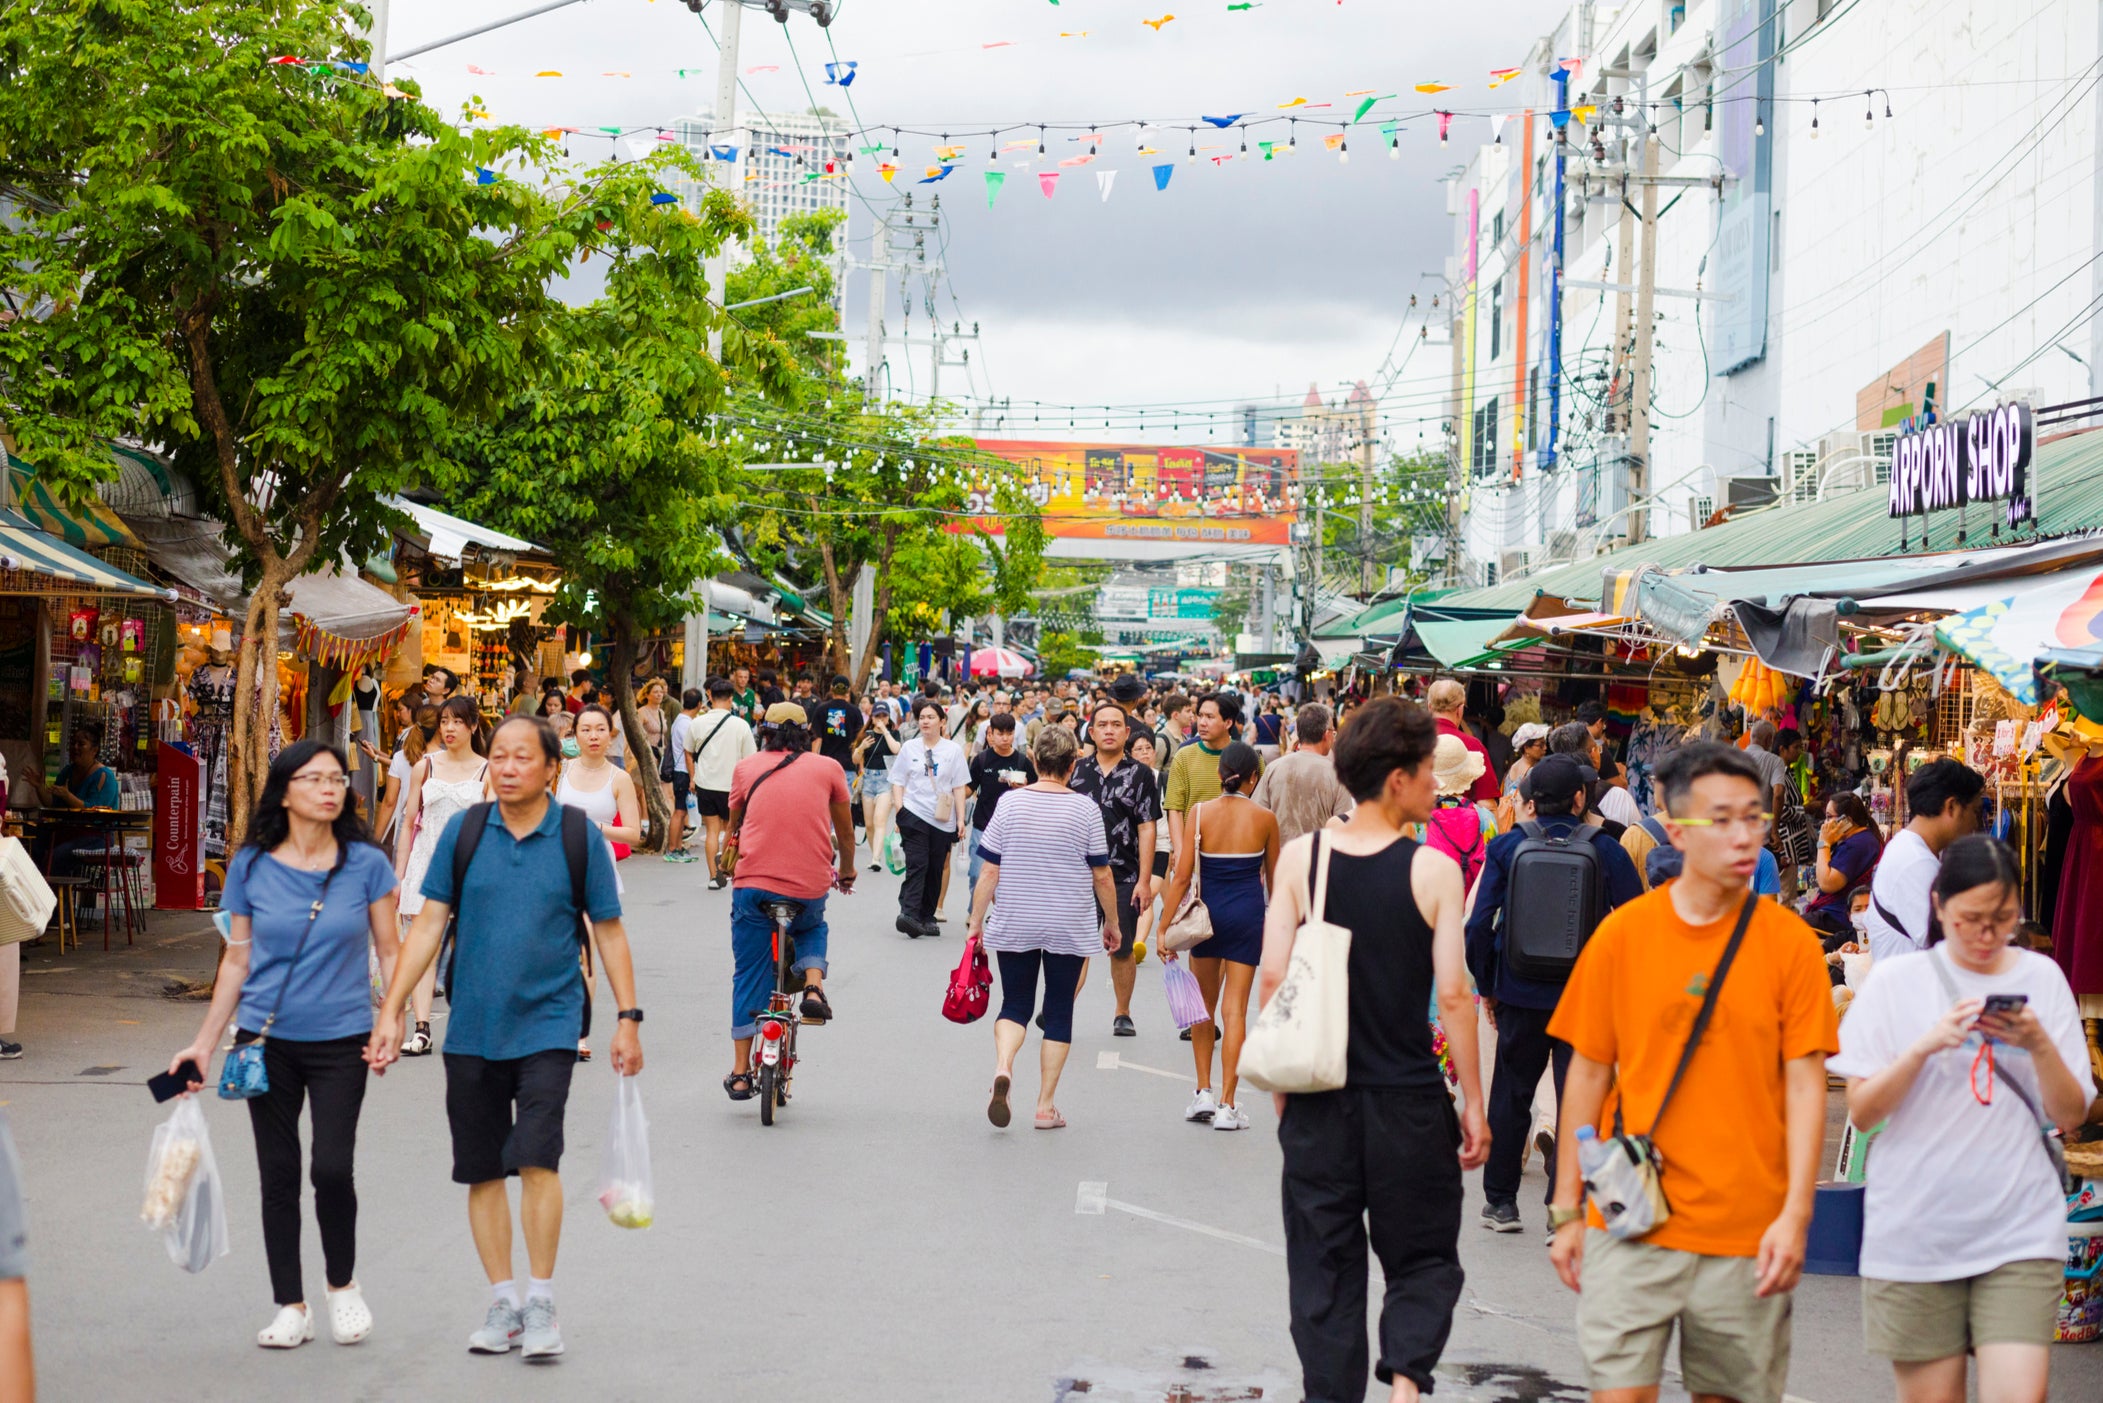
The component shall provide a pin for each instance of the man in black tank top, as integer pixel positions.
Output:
(1381, 1157)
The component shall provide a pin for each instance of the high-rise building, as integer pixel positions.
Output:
(1324, 433)
(779, 165)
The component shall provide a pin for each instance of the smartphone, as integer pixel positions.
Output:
(1997, 1004)
(169, 1085)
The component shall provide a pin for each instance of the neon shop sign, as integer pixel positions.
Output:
(1979, 458)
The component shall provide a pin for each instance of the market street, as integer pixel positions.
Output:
(880, 1239)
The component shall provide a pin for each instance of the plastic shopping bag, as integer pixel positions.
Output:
(624, 1165)
(1186, 1001)
(184, 1201)
(894, 855)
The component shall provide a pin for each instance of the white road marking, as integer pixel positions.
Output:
(1111, 1062)
(1091, 1196)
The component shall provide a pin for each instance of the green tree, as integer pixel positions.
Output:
(227, 240)
(602, 453)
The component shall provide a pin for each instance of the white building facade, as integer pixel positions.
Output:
(779, 165)
(1931, 244)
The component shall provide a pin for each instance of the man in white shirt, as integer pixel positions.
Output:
(682, 779)
(715, 742)
(1944, 798)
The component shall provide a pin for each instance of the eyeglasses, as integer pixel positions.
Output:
(336, 781)
(1752, 823)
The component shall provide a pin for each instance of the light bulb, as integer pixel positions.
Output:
(1394, 150)
(1343, 153)
(1759, 126)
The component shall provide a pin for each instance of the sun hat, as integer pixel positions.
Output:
(1454, 766)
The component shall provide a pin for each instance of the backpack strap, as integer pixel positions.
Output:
(1533, 830)
(472, 824)
(576, 851)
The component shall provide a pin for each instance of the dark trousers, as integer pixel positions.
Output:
(926, 850)
(1381, 1161)
(332, 1074)
(1018, 989)
(1524, 1051)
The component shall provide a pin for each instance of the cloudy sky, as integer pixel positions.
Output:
(1244, 281)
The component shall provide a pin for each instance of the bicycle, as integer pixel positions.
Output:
(778, 1021)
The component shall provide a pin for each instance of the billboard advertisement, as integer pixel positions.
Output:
(1145, 493)
(1738, 335)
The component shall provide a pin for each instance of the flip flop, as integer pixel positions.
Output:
(1055, 1122)
(997, 1108)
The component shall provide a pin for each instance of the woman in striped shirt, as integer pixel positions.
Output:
(1041, 904)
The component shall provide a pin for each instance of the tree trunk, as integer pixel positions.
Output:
(879, 608)
(255, 700)
(647, 783)
(842, 602)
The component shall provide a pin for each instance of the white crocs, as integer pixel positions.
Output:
(293, 1327)
(350, 1320)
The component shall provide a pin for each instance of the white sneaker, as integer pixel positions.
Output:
(350, 1319)
(1230, 1118)
(1203, 1106)
(293, 1327)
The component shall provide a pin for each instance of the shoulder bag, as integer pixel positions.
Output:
(1301, 1040)
(1623, 1174)
(727, 858)
(2048, 1133)
(243, 1076)
(1192, 923)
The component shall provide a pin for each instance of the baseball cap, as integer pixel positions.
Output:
(794, 715)
(1557, 779)
(1527, 734)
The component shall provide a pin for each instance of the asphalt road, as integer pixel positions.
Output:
(881, 1241)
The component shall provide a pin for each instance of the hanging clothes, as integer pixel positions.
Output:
(2077, 924)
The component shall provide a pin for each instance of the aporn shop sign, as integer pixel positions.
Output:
(1980, 458)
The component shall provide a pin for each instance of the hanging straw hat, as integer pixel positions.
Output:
(1455, 767)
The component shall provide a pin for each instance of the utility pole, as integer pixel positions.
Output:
(376, 36)
(726, 119)
(1365, 502)
(1646, 327)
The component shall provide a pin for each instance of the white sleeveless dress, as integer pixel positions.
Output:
(441, 800)
(598, 805)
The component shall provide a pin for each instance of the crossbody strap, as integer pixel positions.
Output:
(1949, 986)
(1701, 1019)
(1318, 879)
(313, 914)
(712, 735)
(746, 808)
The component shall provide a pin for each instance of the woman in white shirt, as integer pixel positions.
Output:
(929, 777)
(1963, 1048)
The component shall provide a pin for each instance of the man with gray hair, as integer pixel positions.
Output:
(1448, 700)
(1301, 788)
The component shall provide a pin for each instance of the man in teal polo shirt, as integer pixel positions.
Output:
(517, 999)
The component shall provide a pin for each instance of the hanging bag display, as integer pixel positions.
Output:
(1301, 1040)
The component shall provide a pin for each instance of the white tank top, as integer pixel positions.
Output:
(599, 805)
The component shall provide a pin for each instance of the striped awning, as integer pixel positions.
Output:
(25, 547)
(90, 525)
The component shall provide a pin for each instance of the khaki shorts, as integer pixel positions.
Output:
(1732, 1343)
(1912, 1322)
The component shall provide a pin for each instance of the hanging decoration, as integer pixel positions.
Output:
(994, 180)
(332, 650)
(1162, 173)
(1047, 181)
(1445, 124)
(1155, 24)
(1103, 181)
(841, 74)
(935, 173)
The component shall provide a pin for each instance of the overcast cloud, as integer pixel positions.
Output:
(1238, 282)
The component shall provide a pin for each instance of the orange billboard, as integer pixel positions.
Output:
(1144, 492)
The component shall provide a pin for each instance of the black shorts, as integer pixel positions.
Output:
(1127, 920)
(1161, 864)
(713, 803)
(682, 785)
(506, 1116)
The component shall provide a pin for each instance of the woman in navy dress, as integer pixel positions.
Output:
(1235, 849)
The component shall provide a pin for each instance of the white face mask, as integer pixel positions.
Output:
(1860, 921)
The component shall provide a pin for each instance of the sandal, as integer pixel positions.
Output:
(816, 1008)
(293, 1327)
(997, 1108)
(419, 1043)
(583, 1053)
(1050, 1120)
(730, 1086)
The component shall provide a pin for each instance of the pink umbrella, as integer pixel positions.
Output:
(1000, 662)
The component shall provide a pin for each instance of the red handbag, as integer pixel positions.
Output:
(970, 987)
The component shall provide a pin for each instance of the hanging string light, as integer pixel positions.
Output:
(1814, 119)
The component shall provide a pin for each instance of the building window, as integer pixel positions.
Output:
(1497, 229)
(1497, 319)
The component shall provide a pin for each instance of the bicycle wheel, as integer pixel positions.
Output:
(769, 1085)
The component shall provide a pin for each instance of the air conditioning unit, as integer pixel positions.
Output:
(1699, 510)
(1800, 474)
(1844, 463)
(1563, 545)
(1514, 562)
(1746, 493)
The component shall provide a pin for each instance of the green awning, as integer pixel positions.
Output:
(88, 526)
(1458, 643)
(23, 546)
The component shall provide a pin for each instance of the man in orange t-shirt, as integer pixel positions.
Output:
(1741, 1143)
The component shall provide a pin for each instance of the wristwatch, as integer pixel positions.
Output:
(1558, 1216)
(633, 1015)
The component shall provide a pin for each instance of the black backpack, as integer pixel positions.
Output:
(1663, 862)
(576, 835)
(1555, 896)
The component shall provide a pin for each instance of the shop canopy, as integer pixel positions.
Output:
(89, 525)
(26, 548)
(448, 537)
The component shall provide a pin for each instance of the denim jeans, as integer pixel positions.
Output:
(752, 948)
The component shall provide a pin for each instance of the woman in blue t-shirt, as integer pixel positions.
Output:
(1848, 848)
(309, 894)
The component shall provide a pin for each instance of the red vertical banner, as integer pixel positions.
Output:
(178, 846)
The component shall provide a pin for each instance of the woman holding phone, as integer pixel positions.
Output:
(1965, 1050)
(307, 894)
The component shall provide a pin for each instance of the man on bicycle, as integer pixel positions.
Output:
(793, 834)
